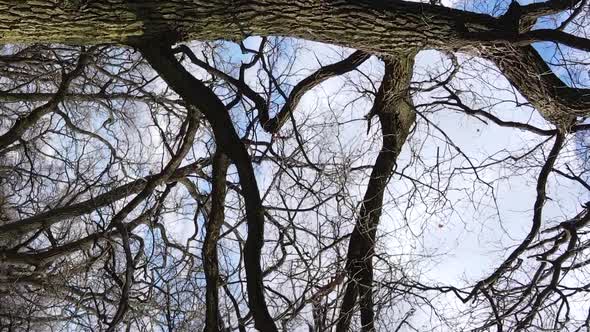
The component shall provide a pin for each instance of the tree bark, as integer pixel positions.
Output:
(532, 77)
(374, 26)
(378, 25)
(393, 105)
(210, 260)
(197, 94)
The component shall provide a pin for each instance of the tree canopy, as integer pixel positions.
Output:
(320, 165)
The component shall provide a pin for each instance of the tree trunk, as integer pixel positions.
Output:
(210, 260)
(197, 94)
(393, 105)
(374, 26)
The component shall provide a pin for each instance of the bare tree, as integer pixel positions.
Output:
(155, 177)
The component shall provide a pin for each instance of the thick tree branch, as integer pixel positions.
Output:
(383, 27)
(537, 9)
(393, 105)
(195, 93)
(123, 21)
(213, 229)
(532, 77)
(272, 125)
